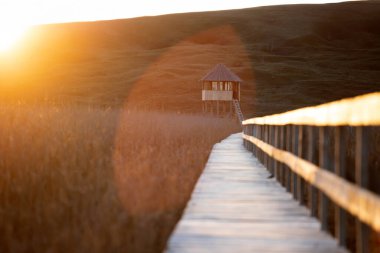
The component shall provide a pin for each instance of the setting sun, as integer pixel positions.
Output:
(10, 35)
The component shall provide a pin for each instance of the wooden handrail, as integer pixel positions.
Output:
(359, 202)
(280, 142)
(358, 111)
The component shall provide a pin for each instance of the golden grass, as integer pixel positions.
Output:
(85, 179)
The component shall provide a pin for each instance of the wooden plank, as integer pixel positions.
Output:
(357, 111)
(236, 208)
(360, 202)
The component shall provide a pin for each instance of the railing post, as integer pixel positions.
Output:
(272, 135)
(254, 135)
(288, 145)
(267, 129)
(361, 178)
(295, 151)
(243, 127)
(340, 170)
(300, 183)
(282, 146)
(250, 132)
(323, 163)
(276, 144)
(311, 157)
(259, 132)
(262, 137)
(266, 139)
(246, 131)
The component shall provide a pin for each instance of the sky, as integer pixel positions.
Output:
(55, 11)
(17, 15)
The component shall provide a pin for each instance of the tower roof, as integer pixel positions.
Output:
(221, 73)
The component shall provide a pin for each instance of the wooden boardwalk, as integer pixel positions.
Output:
(235, 207)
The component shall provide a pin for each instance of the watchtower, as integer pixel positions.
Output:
(221, 90)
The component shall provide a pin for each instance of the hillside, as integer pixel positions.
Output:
(289, 57)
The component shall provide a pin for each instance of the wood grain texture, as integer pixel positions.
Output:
(360, 202)
(236, 208)
(357, 111)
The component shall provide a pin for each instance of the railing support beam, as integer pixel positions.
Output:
(323, 163)
(340, 170)
(312, 157)
(295, 151)
(361, 178)
(300, 182)
(287, 170)
(277, 130)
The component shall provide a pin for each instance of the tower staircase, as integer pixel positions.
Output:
(238, 111)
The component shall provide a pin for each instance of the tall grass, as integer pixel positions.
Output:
(77, 179)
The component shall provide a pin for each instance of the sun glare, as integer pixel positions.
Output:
(35, 12)
(10, 35)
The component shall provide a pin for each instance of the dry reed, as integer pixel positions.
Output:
(78, 179)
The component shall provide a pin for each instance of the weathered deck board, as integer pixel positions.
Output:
(236, 208)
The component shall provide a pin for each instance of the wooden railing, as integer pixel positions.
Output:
(214, 95)
(307, 150)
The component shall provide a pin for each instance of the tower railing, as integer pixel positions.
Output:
(213, 95)
(311, 151)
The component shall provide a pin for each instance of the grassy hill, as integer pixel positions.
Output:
(289, 57)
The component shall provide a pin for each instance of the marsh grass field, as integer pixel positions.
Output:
(86, 179)
(101, 136)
